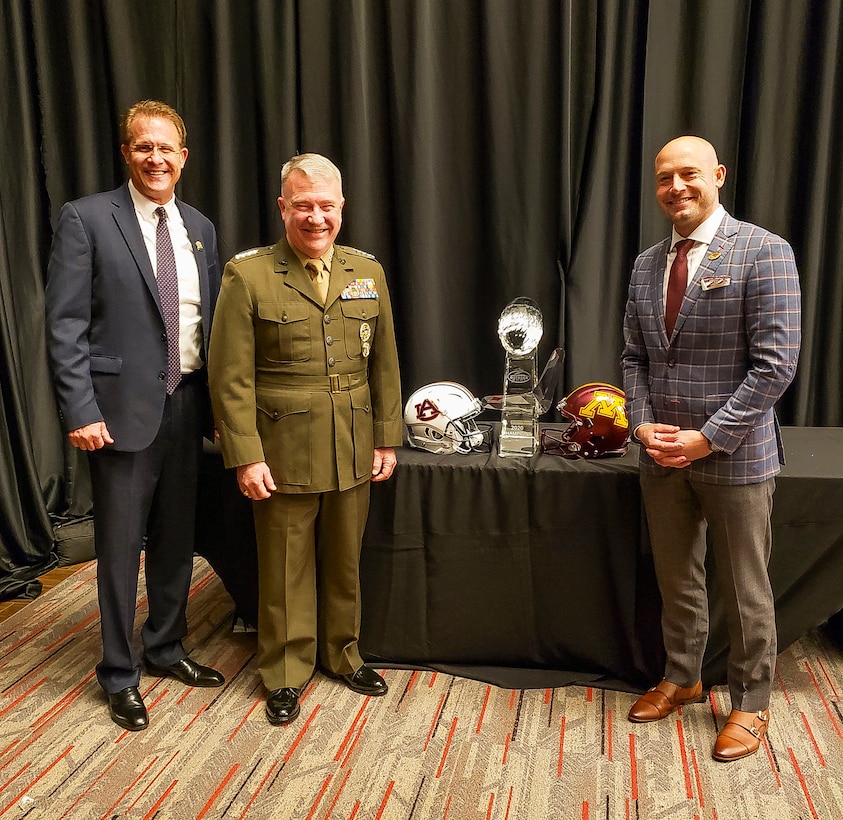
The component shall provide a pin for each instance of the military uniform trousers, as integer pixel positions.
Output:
(309, 583)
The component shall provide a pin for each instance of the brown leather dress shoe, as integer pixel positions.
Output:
(663, 699)
(742, 735)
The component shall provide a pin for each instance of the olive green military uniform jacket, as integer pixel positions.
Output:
(309, 389)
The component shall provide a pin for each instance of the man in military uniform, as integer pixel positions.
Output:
(305, 387)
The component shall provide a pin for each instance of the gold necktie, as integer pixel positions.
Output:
(319, 277)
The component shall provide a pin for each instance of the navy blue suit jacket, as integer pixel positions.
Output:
(105, 330)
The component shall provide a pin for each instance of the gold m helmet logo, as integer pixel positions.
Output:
(608, 405)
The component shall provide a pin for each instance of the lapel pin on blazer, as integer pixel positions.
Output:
(199, 246)
(714, 255)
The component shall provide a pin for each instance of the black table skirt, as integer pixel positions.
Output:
(537, 572)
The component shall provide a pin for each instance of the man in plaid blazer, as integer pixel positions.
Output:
(700, 400)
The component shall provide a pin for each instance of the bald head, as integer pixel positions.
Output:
(690, 147)
(688, 182)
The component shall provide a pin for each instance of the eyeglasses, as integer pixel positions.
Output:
(146, 149)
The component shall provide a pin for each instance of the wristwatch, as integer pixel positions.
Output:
(714, 448)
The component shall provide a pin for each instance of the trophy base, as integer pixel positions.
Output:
(517, 441)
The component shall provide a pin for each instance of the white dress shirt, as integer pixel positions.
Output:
(703, 235)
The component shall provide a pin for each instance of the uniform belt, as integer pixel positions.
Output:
(331, 384)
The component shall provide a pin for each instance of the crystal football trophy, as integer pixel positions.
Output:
(520, 330)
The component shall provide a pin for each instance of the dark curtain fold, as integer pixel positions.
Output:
(789, 177)
(31, 462)
(490, 149)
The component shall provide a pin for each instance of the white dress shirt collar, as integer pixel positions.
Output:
(146, 207)
(705, 231)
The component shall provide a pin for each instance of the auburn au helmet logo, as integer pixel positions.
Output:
(427, 410)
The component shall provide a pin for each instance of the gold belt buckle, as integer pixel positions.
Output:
(336, 387)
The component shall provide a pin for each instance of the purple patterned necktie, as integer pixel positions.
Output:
(168, 291)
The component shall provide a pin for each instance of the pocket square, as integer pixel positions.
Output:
(712, 282)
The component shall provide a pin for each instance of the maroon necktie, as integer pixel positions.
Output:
(168, 291)
(677, 284)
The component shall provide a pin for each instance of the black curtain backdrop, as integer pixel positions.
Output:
(490, 149)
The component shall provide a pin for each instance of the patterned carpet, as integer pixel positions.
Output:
(435, 747)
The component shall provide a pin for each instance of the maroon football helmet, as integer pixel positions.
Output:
(599, 427)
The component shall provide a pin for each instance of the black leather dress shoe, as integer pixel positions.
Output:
(365, 681)
(282, 706)
(188, 672)
(127, 709)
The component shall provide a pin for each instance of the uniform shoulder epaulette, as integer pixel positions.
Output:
(358, 252)
(251, 252)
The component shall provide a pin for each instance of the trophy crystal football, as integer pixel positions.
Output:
(520, 330)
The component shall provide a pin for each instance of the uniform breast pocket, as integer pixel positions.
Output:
(360, 319)
(282, 333)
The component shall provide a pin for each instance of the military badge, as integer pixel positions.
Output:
(367, 348)
(365, 332)
(247, 254)
(359, 253)
(360, 289)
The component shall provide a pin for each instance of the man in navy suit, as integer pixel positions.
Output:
(706, 357)
(128, 363)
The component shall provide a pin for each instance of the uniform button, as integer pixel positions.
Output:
(329, 340)
(332, 361)
(162, 375)
(363, 314)
(327, 319)
(283, 317)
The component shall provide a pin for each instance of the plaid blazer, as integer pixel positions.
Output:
(732, 354)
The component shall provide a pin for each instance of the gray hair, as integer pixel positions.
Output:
(312, 166)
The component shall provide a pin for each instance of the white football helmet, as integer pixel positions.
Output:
(440, 419)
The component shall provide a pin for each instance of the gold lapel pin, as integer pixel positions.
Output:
(199, 246)
(715, 255)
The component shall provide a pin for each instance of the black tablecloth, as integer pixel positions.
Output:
(537, 572)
